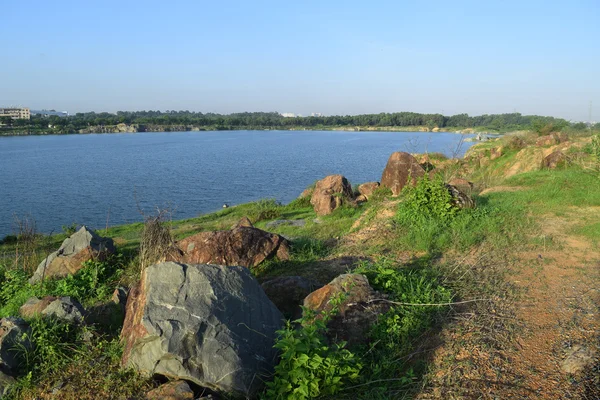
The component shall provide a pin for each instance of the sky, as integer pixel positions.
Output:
(331, 57)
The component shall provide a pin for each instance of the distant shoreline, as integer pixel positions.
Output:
(122, 128)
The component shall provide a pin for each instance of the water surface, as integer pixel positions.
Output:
(86, 179)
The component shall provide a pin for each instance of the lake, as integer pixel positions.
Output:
(87, 179)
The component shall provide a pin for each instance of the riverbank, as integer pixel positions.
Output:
(477, 299)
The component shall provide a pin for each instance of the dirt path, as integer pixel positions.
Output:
(560, 312)
(516, 349)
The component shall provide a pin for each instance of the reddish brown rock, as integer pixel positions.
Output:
(330, 193)
(462, 184)
(35, 306)
(306, 193)
(174, 390)
(367, 189)
(548, 140)
(356, 313)
(555, 160)
(244, 222)
(551, 140)
(401, 169)
(496, 152)
(244, 246)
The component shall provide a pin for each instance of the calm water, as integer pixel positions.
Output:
(59, 180)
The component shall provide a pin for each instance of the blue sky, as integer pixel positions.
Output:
(333, 57)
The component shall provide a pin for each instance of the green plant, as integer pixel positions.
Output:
(309, 367)
(299, 203)
(265, 209)
(595, 148)
(429, 198)
(94, 282)
(52, 344)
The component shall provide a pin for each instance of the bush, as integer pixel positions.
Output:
(429, 198)
(309, 367)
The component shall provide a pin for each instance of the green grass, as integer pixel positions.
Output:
(426, 221)
(553, 191)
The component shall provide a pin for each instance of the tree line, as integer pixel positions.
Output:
(492, 122)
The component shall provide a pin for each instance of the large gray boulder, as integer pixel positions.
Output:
(13, 339)
(208, 324)
(82, 246)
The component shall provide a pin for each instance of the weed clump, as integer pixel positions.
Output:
(265, 209)
(156, 240)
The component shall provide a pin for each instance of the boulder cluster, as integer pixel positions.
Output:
(199, 317)
(402, 169)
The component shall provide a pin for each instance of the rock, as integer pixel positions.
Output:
(330, 193)
(34, 306)
(578, 359)
(65, 309)
(551, 140)
(356, 314)
(119, 296)
(496, 152)
(243, 246)
(6, 381)
(13, 337)
(80, 247)
(401, 168)
(244, 222)
(174, 390)
(62, 308)
(289, 222)
(462, 184)
(367, 189)
(555, 160)
(460, 199)
(427, 166)
(361, 198)
(288, 293)
(306, 193)
(208, 324)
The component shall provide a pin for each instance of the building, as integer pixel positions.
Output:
(50, 113)
(15, 113)
(288, 115)
(316, 114)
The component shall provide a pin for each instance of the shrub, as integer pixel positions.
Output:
(309, 367)
(429, 198)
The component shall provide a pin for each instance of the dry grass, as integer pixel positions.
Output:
(156, 240)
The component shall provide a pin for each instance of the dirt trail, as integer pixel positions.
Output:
(560, 311)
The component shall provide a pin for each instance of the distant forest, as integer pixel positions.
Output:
(273, 120)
